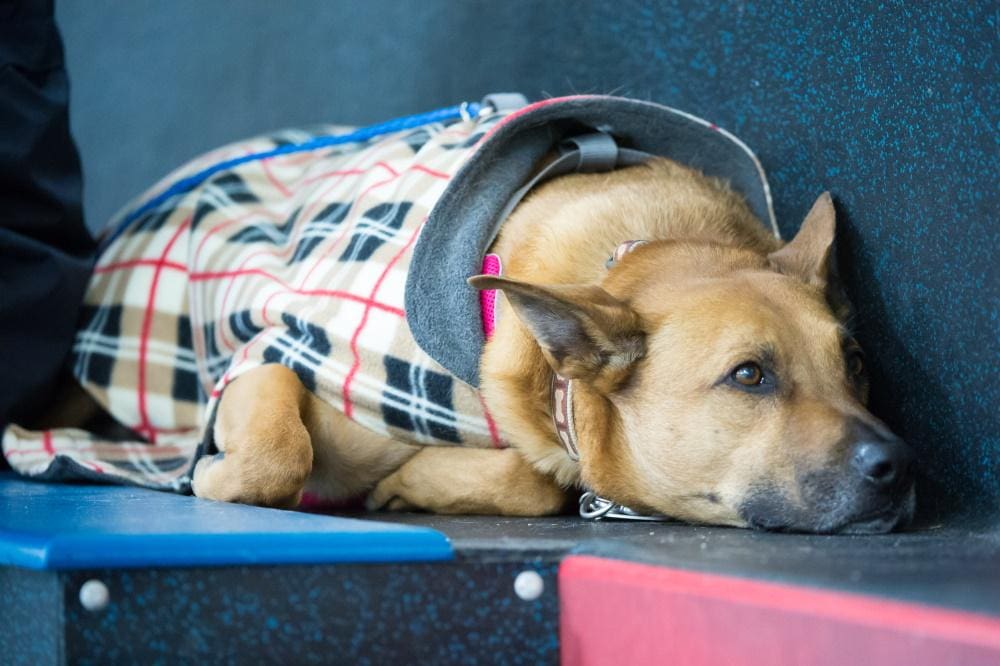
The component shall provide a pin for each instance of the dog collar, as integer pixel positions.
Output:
(560, 388)
(561, 392)
(592, 505)
(561, 403)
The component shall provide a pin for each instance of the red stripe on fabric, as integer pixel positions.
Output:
(224, 382)
(385, 165)
(274, 181)
(51, 451)
(120, 265)
(350, 297)
(348, 172)
(204, 276)
(249, 345)
(430, 172)
(140, 448)
(334, 293)
(208, 234)
(491, 424)
(267, 303)
(145, 427)
(346, 393)
(665, 615)
(338, 172)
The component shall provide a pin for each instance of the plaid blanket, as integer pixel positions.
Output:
(299, 260)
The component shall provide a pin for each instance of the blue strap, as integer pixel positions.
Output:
(465, 110)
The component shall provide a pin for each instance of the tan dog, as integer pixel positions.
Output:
(715, 382)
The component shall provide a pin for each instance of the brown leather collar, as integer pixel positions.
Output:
(561, 391)
(561, 400)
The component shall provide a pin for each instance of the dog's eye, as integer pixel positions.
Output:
(856, 364)
(751, 377)
(748, 374)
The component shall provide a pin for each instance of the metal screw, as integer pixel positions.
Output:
(529, 585)
(94, 595)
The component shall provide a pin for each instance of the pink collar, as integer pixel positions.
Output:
(492, 265)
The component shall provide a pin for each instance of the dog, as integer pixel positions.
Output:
(652, 340)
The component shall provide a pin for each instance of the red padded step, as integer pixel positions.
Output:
(616, 612)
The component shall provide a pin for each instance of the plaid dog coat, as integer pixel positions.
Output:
(312, 260)
(300, 260)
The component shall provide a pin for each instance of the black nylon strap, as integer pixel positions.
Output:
(588, 153)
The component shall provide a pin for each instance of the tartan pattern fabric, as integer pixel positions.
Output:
(299, 260)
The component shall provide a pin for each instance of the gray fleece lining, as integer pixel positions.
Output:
(441, 308)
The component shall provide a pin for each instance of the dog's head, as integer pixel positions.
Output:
(717, 384)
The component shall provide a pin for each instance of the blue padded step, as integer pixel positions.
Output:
(60, 526)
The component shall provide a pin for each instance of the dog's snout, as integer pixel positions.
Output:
(885, 464)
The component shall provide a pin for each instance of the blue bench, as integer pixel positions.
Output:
(110, 574)
(55, 527)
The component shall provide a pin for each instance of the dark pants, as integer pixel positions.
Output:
(45, 249)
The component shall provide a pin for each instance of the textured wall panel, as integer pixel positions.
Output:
(892, 106)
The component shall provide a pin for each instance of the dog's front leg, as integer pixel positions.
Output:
(266, 453)
(469, 481)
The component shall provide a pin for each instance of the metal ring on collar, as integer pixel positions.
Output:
(595, 507)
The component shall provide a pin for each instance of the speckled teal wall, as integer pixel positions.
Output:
(890, 105)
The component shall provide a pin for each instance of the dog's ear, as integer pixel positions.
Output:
(811, 256)
(808, 256)
(584, 332)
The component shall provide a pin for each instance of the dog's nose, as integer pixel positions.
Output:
(884, 464)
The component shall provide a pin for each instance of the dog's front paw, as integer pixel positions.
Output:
(390, 495)
(221, 477)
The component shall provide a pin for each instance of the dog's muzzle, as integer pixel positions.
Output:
(871, 491)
